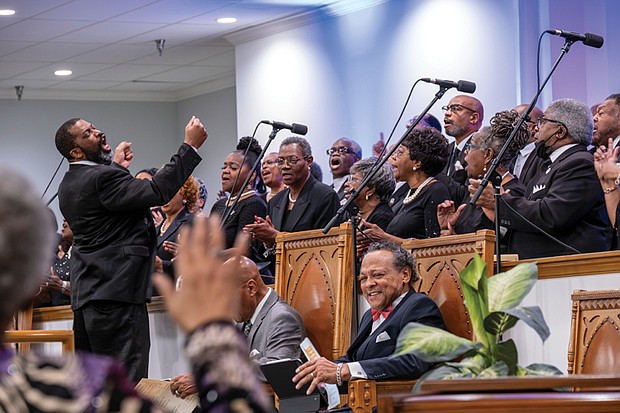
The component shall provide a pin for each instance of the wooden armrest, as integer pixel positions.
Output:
(364, 394)
(65, 337)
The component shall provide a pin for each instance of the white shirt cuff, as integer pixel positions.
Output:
(356, 370)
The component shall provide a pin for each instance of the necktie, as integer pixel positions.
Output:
(385, 313)
(247, 326)
(453, 158)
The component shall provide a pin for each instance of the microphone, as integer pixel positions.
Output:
(461, 85)
(296, 128)
(589, 39)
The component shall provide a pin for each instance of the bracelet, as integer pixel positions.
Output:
(610, 189)
(63, 288)
(617, 181)
(338, 374)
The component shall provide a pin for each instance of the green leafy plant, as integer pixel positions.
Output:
(493, 305)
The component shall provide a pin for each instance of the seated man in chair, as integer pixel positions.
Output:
(386, 277)
(273, 328)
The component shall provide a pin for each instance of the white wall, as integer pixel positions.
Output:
(217, 112)
(156, 130)
(350, 75)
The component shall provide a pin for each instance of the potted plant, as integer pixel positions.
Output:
(493, 305)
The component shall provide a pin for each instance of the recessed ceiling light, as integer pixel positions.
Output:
(63, 72)
(225, 20)
(7, 12)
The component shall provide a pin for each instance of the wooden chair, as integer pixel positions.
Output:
(595, 332)
(315, 275)
(439, 261)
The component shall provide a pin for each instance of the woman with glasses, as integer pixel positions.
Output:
(421, 156)
(249, 204)
(305, 204)
(373, 200)
(272, 177)
(480, 151)
(563, 209)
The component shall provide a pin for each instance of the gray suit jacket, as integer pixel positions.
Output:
(277, 332)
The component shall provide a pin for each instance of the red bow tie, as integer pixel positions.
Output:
(385, 313)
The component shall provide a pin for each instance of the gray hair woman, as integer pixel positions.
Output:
(373, 200)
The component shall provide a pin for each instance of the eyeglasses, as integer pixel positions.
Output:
(270, 162)
(343, 150)
(456, 108)
(469, 146)
(289, 160)
(543, 120)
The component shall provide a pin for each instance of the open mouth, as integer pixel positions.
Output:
(104, 144)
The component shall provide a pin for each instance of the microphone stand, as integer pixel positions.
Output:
(348, 205)
(496, 160)
(229, 211)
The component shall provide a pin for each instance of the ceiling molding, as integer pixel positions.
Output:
(214, 85)
(278, 26)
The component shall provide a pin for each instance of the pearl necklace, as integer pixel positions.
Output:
(411, 197)
(161, 229)
(290, 198)
(234, 198)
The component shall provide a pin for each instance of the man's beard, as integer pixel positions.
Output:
(98, 156)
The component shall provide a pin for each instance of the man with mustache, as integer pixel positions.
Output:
(114, 251)
(342, 155)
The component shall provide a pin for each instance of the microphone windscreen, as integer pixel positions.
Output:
(299, 129)
(593, 40)
(465, 86)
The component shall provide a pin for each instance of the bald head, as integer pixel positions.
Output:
(464, 115)
(253, 289)
(532, 121)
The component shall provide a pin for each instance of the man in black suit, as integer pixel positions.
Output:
(342, 155)
(564, 198)
(306, 203)
(386, 276)
(526, 164)
(463, 117)
(113, 255)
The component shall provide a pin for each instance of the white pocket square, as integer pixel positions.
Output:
(254, 353)
(383, 337)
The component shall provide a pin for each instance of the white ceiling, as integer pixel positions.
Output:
(110, 45)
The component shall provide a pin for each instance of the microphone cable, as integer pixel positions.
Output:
(228, 210)
(542, 231)
(402, 112)
(62, 158)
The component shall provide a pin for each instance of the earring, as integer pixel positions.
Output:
(484, 169)
(184, 201)
(415, 168)
(367, 197)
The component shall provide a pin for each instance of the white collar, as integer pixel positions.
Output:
(527, 149)
(338, 182)
(89, 163)
(556, 154)
(260, 306)
(461, 145)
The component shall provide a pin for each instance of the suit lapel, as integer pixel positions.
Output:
(271, 301)
(301, 204)
(371, 338)
(277, 216)
(172, 229)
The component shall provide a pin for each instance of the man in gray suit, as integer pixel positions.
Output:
(273, 328)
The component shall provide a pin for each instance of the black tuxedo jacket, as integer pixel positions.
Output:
(530, 167)
(373, 350)
(315, 206)
(566, 200)
(108, 211)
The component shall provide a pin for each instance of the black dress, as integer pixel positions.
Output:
(243, 214)
(382, 215)
(418, 218)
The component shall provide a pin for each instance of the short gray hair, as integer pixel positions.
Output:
(382, 181)
(576, 116)
(402, 258)
(302, 142)
(25, 242)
